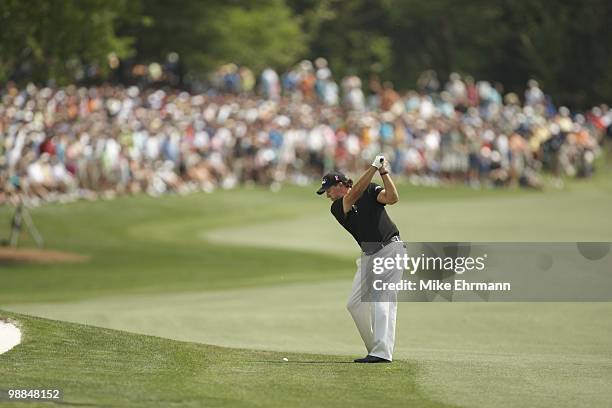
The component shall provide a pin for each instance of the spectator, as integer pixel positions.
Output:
(70, 143)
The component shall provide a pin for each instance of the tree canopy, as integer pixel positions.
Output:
(564, 44)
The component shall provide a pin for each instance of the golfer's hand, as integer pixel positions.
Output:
(384, 168)
(379, 161)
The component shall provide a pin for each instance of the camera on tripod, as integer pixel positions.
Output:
(21, 217)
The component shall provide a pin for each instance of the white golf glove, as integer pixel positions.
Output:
(379, 161)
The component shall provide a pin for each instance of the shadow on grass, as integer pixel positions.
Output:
(305, 362)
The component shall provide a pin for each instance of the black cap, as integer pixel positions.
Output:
(330, 180)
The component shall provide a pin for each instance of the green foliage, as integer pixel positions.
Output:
(443, 35)
(350, 34)
(257, 37)
(207, 34)
(565, 45)
(54, 39)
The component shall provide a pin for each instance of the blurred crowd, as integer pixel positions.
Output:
(61, 144)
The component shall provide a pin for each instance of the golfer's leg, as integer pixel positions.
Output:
(360, 311)
(384, 314)
(383, 323)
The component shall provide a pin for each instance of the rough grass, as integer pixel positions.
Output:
(102, 367)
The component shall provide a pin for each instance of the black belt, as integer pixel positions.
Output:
(370, 248)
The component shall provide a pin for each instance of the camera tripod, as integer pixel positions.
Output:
(21, 216)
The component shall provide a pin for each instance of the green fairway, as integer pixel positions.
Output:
(100, 367)
(266, 271)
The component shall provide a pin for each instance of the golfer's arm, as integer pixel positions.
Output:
(389, 195)
(358, 188)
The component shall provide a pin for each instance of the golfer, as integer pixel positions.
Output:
(360, 209)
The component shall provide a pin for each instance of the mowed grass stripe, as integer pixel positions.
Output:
(102, 367)
(530, 217)
(524, 354)
(310, 317)
(140, 244)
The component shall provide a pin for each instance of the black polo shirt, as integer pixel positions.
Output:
(367, 221)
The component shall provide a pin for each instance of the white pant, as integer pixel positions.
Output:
(376, 320)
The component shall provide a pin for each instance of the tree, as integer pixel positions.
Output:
(207, 34)
(52, 40)
(351, 35)
(564, 44)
